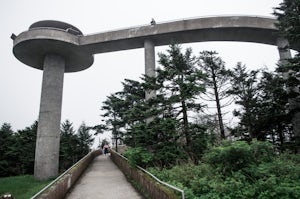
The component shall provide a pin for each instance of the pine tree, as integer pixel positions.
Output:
(133, 98)
(69, 153)
(216, 83)
(114, 108)
(245, 91)
(181, 83)
(7, 140)
(25, 144)
(288, 21)
(85, 139)
(289, 27)
(273, 120)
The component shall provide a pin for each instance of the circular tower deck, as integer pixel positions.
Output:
(52, 37)
(51, 46)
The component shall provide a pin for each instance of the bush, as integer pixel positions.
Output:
(262, 151)
(235, 156)
(238, 170)
(138, 156)
(230, 157)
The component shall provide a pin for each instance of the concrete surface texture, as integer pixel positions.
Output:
(48, 136)
(31, 46)
(103, 179)
(51, 46)
(149, 65)
(218, 28)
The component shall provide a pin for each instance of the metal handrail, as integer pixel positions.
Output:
(155, 178)
(59, 177)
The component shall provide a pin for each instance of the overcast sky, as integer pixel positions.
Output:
(84, 92)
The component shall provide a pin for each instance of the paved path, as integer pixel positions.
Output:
(103, 179)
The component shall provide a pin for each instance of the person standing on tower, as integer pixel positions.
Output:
(153, 22)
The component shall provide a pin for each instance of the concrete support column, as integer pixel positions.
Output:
(149, 64)
(294, 103)
(284, 53)
(283, 48)
(48, 135)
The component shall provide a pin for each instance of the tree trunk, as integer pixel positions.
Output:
(295, 110)
(281, 138)
(221, 125)
(185, 123)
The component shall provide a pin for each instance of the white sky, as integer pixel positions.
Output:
(84, 92)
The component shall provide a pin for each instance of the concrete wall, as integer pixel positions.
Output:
(149, 185)
(64, 183)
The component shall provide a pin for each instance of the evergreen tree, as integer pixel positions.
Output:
(17, 150)
(161, 138)
(178, 85)
(289, 27)
(7, 157)
(216, 82)
(122, 111)
(73, 146)
(289, 21)
(69, 152)
(273, 120)
(85, 140)
(132, 99)
(114, 107)
(25, 145)
(181, 83)
(245, 91)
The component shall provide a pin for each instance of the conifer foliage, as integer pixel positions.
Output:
(17, 149)
(289, 27)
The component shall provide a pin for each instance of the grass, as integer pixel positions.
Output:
(21, 187)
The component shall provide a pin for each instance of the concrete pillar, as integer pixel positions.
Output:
(284, 53)
(149, 64)
(294, 103)
(48, 135)
(283, 48)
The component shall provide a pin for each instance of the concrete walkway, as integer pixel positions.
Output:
(103, 179)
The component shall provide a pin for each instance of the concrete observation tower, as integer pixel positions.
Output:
(57, 47)
(51, 46)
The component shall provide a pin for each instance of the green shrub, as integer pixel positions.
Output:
(238, 170)
(138, 156)
(234, 156)
(230, 158)
(262, 151)
(181, 173)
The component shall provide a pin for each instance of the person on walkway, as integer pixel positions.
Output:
(106, 149)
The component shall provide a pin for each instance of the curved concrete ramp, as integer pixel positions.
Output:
(219, 28)
(103, 179)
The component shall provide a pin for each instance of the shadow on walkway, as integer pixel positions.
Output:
(103, 179)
